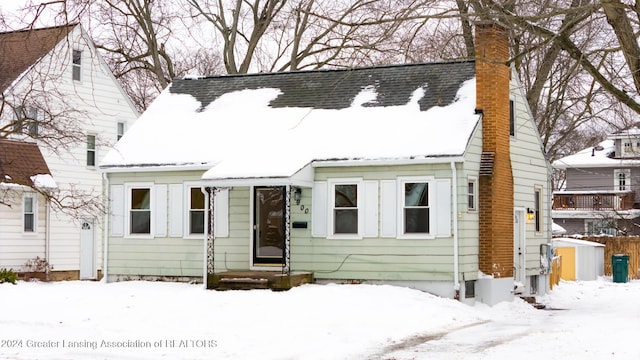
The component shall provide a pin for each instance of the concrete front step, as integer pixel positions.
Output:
(248, 280)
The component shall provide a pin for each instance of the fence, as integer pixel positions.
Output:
(620, 245)
(556, 268)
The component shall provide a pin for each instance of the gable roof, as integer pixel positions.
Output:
(21, 49)
(273, 124)
(22, 163)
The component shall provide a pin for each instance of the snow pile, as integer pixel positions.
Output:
(146, 320)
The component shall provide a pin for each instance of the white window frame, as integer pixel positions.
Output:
(474, 181)
(538, 207)
(430, 180)
(128, 188)
(76, 68)
(359, 182)
(616, 179)
(119, 134)
(186, 213)
(34, 211)
(93, 150)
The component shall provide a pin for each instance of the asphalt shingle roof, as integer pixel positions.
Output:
(336, 89)
(21, 49)
(19, 161)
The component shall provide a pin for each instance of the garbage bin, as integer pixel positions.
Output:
(620, 268)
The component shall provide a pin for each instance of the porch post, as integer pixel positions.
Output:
(286, 252)
(211, 233)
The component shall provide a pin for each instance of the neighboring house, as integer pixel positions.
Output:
(54, 81)
(25, 182)
(601, 192)
(391, 174)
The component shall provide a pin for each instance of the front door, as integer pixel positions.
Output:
(87, 253)
(268, 225)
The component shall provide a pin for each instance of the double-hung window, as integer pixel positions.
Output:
(196, 211)
(416, 213)
(345, 209)
(622, 179)
(119, 130)
(140, 211)
(76, 66)
(416, 208)
(29, 208)
(91, 150)
(472, 198)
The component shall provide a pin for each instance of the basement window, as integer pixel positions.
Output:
(469, 289)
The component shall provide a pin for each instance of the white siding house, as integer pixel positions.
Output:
(63, 96)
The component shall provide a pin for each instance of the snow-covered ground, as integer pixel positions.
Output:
(152, 320)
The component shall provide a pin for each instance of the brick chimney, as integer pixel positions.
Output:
(496, 179)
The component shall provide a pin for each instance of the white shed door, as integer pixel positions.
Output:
(87, 253)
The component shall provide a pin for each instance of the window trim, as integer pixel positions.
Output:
(127, 215)
(359, 182)
(77, 65)
(119, 134)
(431, 181)
(616, 179)
(537, 209)
(186, 213)
(472, 180)
(512, 116)
(93, 150)
(34, 211)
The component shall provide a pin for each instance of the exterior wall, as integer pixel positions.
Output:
(98, 103)
(530, 172)
(599, 179)
(572, 225)
(17, 246)
(157, 256)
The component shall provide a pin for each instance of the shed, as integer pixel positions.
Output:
(581, 259)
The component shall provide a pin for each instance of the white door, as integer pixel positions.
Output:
(87, 254)
(519, 245)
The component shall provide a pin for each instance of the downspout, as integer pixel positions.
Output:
(105, 228)
(456, 262)
(47, 230)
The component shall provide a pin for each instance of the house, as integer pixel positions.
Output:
(600, 195)
(407, 174)
(62, 109)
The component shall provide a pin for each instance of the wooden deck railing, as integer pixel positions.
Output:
(593, 201)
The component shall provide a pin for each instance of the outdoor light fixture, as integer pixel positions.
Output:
(530, 214)
(297, 195)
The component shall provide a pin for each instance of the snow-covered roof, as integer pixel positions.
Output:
(274, 125)
(577, 242)
(595, 156)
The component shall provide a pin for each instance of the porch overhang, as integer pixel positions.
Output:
(300, 177)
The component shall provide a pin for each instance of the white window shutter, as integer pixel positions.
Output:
(221, 216)
(443, 207)
(160, 210)
(177, 215)
(319, 208)
(370, 208)
(117, 210)
(388, 208)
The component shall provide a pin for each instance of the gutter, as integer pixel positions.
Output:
(454, 210)
(387, 162)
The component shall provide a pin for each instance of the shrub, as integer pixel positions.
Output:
(37, 265)
(8, 276)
